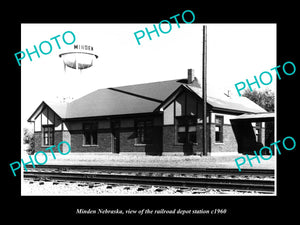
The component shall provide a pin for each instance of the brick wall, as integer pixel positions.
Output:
(170, 145)
(66, 137)
(103, 140)
(127, 141)
(163, 141)
(38, 141)
(229, 142)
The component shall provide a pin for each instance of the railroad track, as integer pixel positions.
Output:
(221, 171)
(178, 177)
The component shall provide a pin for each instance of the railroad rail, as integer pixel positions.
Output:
(257, 180)
(264, 172)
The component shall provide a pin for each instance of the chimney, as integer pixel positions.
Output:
(191, 76)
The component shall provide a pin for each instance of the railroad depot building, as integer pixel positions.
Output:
(152, 118)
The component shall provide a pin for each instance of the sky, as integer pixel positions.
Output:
(235, 52)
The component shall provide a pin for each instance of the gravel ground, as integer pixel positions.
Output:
(30, 187)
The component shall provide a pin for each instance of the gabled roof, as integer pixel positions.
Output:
(156, 90)
(241, 103)
(59, 108)
(140, 98)
(106, 102)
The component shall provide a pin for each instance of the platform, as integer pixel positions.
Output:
(166, 160)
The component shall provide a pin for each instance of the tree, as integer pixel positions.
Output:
(29, 139)
(264, 99)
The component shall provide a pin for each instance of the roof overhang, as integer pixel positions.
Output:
(255, 117)
(38, 110)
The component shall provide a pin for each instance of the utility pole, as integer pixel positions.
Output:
(204, 88)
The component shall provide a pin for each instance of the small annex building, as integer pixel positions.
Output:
(153, 118)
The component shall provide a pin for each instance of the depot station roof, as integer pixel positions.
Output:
(141, 98)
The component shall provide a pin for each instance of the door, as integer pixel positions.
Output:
(115, 126)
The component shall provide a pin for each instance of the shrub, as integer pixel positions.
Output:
(28, 139)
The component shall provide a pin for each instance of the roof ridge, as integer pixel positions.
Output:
(116, 89)
(136, 95)
(150, 83)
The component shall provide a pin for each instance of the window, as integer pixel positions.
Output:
(90, 133)
(186, 129)
(257, 130)
(48, 134)
(219, 120)
(144, 132)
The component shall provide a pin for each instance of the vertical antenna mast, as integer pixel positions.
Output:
(204, 88)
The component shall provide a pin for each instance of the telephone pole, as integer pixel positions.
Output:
(204, 89)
